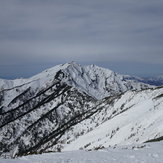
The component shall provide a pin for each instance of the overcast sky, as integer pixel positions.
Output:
(122, 35)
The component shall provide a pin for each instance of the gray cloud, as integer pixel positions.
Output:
(34, 32)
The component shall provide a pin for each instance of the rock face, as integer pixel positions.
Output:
(70, 106)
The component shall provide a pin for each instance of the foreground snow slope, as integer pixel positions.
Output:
(142, 153)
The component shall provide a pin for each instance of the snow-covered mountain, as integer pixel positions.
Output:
(95, 81)
(71, 107)
(98, 82)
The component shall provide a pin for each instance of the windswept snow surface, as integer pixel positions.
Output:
(142, 153)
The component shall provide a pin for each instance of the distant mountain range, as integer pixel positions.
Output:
(71, 107)
(157, 81)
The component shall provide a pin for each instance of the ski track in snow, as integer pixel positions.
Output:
(142, 153)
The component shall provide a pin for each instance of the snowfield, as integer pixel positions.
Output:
(142, 153)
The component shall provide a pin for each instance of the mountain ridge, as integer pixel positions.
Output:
(96, 81)
(158, 80)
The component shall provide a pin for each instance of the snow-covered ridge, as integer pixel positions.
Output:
(96, 81)
(40, 79)
(99, 82)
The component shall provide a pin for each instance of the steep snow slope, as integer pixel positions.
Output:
(134, 117)
(36, 122)
(99, 82)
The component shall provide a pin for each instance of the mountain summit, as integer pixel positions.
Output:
(96, 81)
(72, 107)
